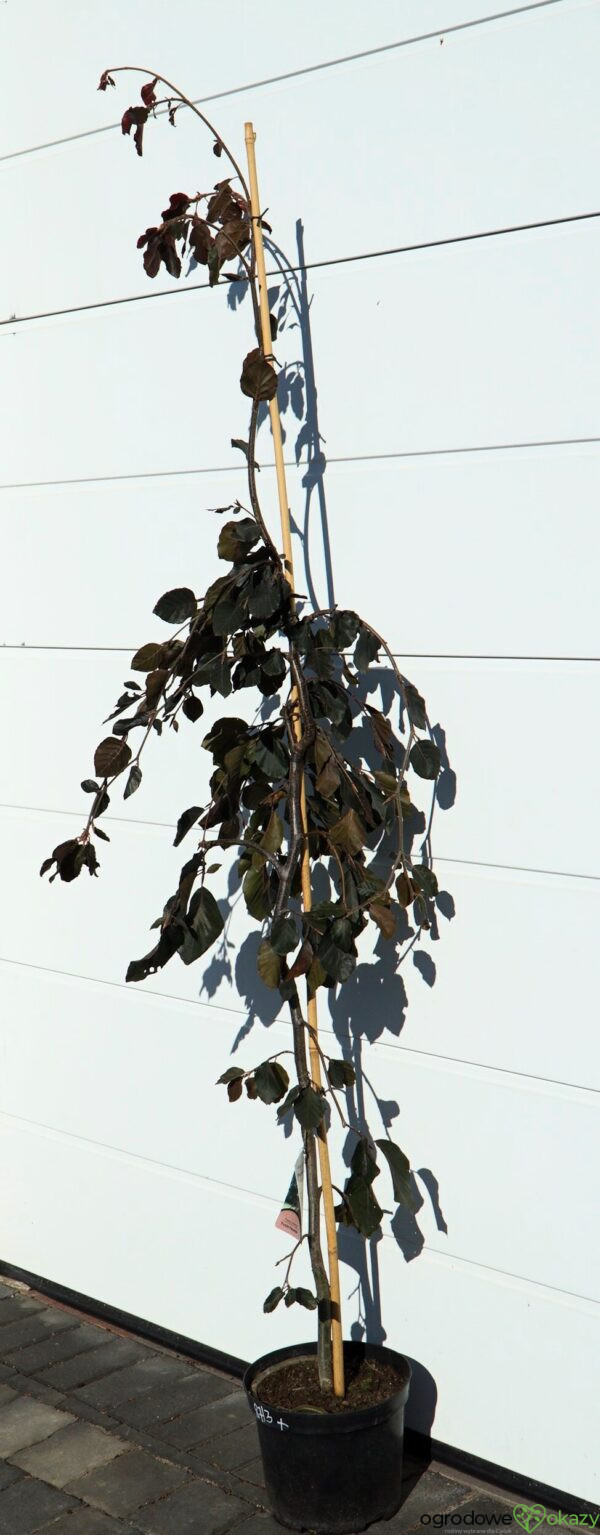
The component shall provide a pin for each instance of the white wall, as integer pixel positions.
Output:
(458, 396)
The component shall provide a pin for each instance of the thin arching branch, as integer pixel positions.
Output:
(137, 69)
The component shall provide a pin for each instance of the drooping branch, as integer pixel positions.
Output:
(175, 92)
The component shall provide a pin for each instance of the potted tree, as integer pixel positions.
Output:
(289, 794)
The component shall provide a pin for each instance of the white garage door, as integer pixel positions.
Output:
(458, 387)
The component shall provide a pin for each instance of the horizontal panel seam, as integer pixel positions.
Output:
(406, 655)
(475, 863)
(413, 248)
(514, 868)
(348, 458)
(505, 1071)
(489, 1268)
(233, 1188)
(309, 69)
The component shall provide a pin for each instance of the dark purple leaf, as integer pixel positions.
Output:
(174, 607)
(179, 203)
(111, 757)
(258, 379)
(147, 93)
(186, 820)
(135, 117)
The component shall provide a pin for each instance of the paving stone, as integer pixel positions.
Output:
(129, 1483)
(24, 1422)
(24, 1385)
(6, 1394)
(5, 1292)
(30, 1329)
(426, 1493)
(17, 1306)
(8, 1474)
(205, 1470)
(231, 1450)
(62, 1344)
(85, 1521)
(91, 1414)
(259, 1524)
(28, 1505)
(156, 1406)
(92, 1365)
(72, 1452)
(196, 1508)
(220, 1417)
(133, 1380)
(252, 1471)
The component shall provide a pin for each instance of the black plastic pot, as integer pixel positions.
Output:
(334, 1473)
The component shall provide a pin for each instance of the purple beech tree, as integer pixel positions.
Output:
(287, 789)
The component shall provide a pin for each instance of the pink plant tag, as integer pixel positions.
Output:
(289, 1222)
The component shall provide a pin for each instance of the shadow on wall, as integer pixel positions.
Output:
(374, 1002)
(290, 305)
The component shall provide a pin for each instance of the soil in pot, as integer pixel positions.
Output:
(294, 1386)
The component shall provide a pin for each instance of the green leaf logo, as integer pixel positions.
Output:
(529, 1516)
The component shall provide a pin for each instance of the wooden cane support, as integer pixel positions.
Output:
(284, 512)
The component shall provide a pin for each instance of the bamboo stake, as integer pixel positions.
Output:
(284, 512)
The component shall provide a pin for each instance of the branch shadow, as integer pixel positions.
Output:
(290, 305)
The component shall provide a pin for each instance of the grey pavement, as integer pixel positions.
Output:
(104, 1434)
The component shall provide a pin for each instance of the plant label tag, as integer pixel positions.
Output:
(290, 1215)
